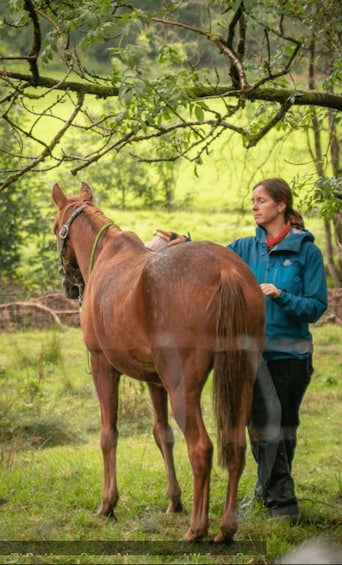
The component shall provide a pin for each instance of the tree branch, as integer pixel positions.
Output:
(235, 60)
(161, 92)
(48, 150)
(37, 39)
(272, 94)
(253, 139)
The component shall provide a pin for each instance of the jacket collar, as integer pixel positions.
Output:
(293, 242)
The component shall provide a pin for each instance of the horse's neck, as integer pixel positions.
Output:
(90, 243)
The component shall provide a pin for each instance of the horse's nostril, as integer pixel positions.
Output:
(75, 292)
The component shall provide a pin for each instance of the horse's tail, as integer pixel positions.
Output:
(232, 371)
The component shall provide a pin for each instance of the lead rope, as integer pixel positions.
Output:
(91, 265)
(93, 251)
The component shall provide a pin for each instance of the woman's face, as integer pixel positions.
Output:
(266, 210)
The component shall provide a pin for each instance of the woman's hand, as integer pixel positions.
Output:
(173, 237)
(270, 290)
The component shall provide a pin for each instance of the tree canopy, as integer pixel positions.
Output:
(175, 74)
(112, 87)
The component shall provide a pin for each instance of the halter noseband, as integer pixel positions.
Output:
(63, 234)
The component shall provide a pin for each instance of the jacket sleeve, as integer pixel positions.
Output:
(313, 301)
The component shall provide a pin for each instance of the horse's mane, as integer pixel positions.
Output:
(98, 216)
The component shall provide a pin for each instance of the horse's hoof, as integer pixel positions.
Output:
(107, 513)
(174, 507)
(194, 536)
(224, 538)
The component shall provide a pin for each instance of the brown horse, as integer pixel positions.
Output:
(168, 319)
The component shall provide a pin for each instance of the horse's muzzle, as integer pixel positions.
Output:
(71, 291)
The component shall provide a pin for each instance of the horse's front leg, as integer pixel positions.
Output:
(106, 381)
(164, 439)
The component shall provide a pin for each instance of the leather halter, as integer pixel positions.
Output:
(63, 234)
(77, 279)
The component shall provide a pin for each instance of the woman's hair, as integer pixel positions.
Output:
(280, 191)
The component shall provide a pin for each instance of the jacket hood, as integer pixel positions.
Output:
(293, 241)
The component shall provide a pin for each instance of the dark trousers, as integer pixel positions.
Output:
(278, 392)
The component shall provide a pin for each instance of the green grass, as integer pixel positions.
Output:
(53, 488)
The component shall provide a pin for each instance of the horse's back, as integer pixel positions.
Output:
(203, 260)
(180, 289)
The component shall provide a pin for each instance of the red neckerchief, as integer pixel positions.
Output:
(271, 242)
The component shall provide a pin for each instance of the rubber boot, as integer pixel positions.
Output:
(274, 476)
(279, 496)
(290, 446)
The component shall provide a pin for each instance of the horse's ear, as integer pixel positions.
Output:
(86, 193)
(58, 196)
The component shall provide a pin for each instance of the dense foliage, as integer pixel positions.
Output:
(160, 65)
(173, 78)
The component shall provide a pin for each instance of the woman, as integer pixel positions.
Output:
(290, 270)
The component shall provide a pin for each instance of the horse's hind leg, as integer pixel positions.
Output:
(106, 382)
(228, 524)
(163, 436)
(200, 451)
(186, 406)
(235, 465)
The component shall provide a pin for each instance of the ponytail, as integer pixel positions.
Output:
(295, 219)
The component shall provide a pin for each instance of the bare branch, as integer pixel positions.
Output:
(37, 39)
(235, 60)
(131, 137)
(48, 150)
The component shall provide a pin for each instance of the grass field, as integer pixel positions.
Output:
(51, 464)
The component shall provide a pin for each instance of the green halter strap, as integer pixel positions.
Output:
(93, 251)
(91, 264)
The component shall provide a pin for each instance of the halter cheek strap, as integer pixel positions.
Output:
(64, 232)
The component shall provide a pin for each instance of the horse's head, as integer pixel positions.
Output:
(68, 210)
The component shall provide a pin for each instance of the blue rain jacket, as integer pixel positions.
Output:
(295, 266)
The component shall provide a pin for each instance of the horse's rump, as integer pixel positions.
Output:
(191, 278)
